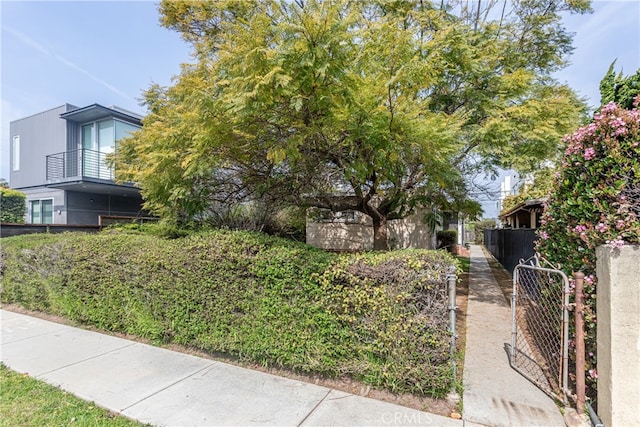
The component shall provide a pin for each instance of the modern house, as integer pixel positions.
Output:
(58, 159)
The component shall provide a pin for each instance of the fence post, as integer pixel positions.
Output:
(451, 280)
(579, 315)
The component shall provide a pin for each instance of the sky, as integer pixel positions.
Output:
(108, 52)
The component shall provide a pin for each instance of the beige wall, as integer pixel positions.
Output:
(618, 313)
(340, 236)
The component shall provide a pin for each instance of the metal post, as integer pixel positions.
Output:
(580, 386)
(566, 290)
(514, 330)
(451, 279)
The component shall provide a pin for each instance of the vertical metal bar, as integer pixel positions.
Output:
(451, 279)
(580, 387)
(565, 336)
(514, 292)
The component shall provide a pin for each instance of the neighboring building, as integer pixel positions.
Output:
(527, 214)
(58, 160)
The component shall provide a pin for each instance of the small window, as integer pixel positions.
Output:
(16, 153)
(42, 211)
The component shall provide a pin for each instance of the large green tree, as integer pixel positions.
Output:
(619, 88)
(375, 106)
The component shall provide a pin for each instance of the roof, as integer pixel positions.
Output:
(527, 205)
(97, 112)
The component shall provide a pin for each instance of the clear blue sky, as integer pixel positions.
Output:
(85, 52)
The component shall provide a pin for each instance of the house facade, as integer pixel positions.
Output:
(58, 159)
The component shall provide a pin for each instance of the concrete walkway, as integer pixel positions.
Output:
(494, 393)
(167, 388)
(163, 387)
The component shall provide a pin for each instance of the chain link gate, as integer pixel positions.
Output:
(540, 327)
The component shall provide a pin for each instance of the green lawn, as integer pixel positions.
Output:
(25, 401)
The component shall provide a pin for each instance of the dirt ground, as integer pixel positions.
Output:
(502, 276)
(436, 406)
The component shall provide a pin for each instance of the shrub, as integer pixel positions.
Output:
(380, 318)
(12, 205)
(480, 226)
(447, 239)
(395, 306)
(595, 201)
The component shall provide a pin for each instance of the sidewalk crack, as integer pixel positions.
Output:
(314, 408)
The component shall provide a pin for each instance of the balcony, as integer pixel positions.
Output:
(78, 165)
(85, 171)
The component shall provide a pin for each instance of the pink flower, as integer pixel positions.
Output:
(593, 373)
(620, 224)
(620, 131)
(589, 153)
(602, 227)
(617, 243)
(544, 235)
(579, 229)
(609, 108)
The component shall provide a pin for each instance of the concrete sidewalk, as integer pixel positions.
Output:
(163, 387)
(494, 393)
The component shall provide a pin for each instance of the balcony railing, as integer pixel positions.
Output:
(78, 164)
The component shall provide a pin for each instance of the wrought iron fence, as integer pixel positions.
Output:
(540, 327)
(81, 163)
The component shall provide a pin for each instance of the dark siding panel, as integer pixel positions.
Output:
(510, 246)
(85, 208)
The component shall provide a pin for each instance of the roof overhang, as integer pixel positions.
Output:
(97, 187)
(95, 112)
(526, 206)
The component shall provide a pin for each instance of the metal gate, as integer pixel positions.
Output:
(540, 327)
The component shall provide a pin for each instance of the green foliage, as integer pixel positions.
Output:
(619, 89)
(447, 238)
(395, 306)
(539, 189)
(595, 201)
(380, 318)
(12, 205)
(386, 103)
(27, 402)
(479, 228)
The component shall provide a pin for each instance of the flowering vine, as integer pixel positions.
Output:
(595, 201)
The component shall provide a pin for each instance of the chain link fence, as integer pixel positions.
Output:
(540, 327)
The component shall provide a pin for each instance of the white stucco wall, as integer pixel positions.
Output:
(618, 314)
(340, 236)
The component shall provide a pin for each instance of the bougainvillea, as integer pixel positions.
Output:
(595, 201)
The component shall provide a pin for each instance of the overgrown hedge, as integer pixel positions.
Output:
(379, 318)
(12, 205)
(595, 201)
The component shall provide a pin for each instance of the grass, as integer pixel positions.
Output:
(27, 402)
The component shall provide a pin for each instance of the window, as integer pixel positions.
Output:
(42, 211)
(98, 140)
(16, 153)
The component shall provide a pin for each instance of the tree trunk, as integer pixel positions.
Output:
(380, 241)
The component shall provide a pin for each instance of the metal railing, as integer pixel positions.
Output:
(81, 163)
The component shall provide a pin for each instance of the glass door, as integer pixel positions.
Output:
(90, 158)
(106, 145)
